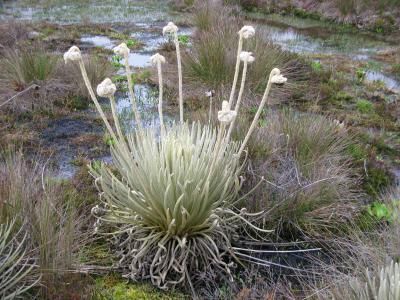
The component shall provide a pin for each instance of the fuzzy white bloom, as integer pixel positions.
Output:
(277, 77)
(73, 54)
(225, 115)
(106, 88)
(122, 50)
(247, 31)
(170, 28)
(246, 56)
(157, 58)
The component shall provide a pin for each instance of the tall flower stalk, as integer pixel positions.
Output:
(74, 55)
(274, 77)
(245, 33)
(123, 50)
(172, 29)
(158, 60)
(107, 89)
(210, 95)
(247, 58)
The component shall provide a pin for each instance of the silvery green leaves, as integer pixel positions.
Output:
(14, 268)
(383, 286)
(171, 197)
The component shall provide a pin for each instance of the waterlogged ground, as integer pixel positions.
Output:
(75, 11)
(80, 136)
(70, 139)
(322, 42)
(360, 57)
(318, 39)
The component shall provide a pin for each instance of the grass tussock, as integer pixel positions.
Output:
(212, 58)
(44, 211)
(45, 80)
(23, 67)
(365, 262)
(310, 185)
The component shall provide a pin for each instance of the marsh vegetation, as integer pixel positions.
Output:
(246, 151)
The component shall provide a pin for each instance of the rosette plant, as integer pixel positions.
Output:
(14, 267)
(172, 197)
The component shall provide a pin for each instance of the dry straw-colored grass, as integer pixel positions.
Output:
(310, 185)
(46, 213)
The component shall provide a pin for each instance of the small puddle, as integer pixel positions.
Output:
(389, 82)
(154, 40)
(291, 41)
(139, 59)
(68, 138)
(136, 59)
(98, 41)
(318, 41)
(147, 99)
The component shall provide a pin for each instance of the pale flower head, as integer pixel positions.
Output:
(247, 31)
(122, 50)
(170, 28)
(225, 115)
(106, 88)
(73, 54)
(157, 58)
(246, 56)
(276, 77)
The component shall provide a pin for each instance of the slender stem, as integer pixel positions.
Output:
(244, 74)
(131, 93)
(121, 144)
(257, 116)
(116, 119)
(19, 94)
(160, 97)
(235, 78)
(178, 58)
(210, 112)
(93, 96)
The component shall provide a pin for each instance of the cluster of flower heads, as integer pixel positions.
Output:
(226, 115)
